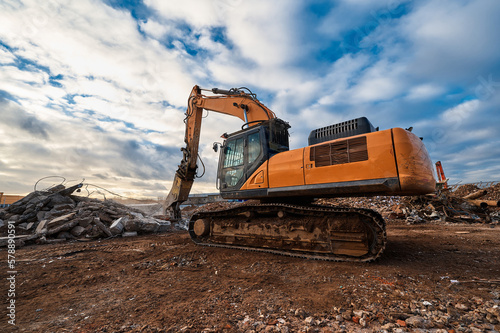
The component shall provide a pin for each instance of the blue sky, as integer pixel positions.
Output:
(97, 89)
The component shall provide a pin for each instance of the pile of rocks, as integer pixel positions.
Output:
(57, 215)
(421, 316)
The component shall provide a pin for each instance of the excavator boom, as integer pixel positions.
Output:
(234, 102)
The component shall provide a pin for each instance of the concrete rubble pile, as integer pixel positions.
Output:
(56, 215)
(467, 204)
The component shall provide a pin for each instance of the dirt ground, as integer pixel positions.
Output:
(432, 277)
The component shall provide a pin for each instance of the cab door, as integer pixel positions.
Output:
(240, 157)
(232, 163)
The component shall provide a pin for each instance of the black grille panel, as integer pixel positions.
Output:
(341, 130)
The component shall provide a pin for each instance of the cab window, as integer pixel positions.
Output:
(254, 147)
(234, 153)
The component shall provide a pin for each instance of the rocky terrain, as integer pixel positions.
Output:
(439, 273)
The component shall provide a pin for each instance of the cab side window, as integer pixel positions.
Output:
(232, 171)
(254, 147)
(234, 153)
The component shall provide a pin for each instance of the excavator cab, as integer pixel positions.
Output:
(244, 151)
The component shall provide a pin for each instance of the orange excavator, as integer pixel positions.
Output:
(341, 160)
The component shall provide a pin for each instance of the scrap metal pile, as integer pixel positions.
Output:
(468, 203)
(56, 215)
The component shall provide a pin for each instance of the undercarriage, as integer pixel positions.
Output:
(313, 232)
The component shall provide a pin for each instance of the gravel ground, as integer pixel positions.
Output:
(433, 277)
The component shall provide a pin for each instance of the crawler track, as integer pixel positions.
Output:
(313, 232)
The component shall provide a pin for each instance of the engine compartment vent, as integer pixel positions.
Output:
(339, 152)
(341, 130)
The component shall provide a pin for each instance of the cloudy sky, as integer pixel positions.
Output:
(97, 89)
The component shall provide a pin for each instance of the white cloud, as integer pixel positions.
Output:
(113, 72)
(196, 13)
(425, 91)
(157, 30)
(261, 31)
(383, 81)
(116, 112)
(6, 57)
(460, 113)
(453, 38)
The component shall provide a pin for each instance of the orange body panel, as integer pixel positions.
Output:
(259, 179)
(414, 165)
(393, 154)
(380, 163)
(287, 169)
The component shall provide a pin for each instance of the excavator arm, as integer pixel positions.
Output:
(233, 102)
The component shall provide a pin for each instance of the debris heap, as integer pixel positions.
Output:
(467, 204)
(57, 215)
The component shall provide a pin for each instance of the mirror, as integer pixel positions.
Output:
(215, 146)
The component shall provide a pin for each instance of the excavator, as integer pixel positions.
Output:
(279, 186)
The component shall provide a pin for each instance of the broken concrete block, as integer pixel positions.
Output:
(101, 226)
(41, 240)
(28, 216)
(129, 234)
(110, 211)
(105, 217)
(56, 213)
(14, 218)
(131, 225)
(58, 199)
(64, 206)
(64, 227)
(64, 235)
(149, 227)
(117, 225)
(137, 215)
(56, 188)
(86, 221)
(41, 228)
(41, 215)
(60, 220)
(149, 209)
(77, 231)
(94, 231)
(164, 226)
